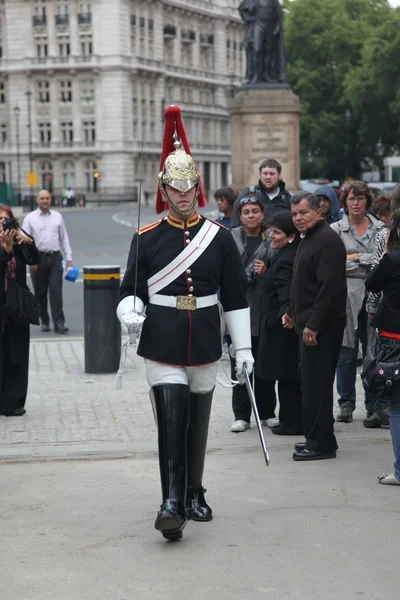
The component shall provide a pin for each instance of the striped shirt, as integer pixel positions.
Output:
(49, 232)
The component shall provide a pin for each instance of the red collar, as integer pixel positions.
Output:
(181, 224)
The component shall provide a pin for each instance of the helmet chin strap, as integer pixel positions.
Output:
(184, 214)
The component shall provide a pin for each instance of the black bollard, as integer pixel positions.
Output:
(102, 328)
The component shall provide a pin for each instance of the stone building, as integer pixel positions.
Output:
(99, 74)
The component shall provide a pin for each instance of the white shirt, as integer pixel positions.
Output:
(49, 232)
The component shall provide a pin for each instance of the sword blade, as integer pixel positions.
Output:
(256, 415)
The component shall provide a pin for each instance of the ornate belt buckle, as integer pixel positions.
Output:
(186, 303)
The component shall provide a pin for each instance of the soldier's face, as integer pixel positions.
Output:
(269, 177)
(181, 200)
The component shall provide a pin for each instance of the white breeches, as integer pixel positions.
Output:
(199, 379)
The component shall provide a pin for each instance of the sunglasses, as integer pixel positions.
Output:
(249, 200)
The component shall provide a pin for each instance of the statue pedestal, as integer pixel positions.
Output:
(265, 124)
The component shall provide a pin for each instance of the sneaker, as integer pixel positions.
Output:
(345, 414)
(372, 420)
(272, 422)
(239, 426)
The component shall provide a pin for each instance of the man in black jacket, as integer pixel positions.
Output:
(270, 189)
(318, 312)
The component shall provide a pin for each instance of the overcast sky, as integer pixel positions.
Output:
(395, 2)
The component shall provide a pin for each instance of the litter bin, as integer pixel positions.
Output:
(102, 328)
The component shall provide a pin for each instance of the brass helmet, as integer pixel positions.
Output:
(177, 168)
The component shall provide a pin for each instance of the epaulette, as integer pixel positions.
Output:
(216, 222)
(150, 227)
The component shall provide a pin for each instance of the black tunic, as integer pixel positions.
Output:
(179, 337)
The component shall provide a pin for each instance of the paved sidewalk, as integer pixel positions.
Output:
(84, 529)
(71, 414)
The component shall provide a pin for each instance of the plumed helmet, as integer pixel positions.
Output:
(177, 168)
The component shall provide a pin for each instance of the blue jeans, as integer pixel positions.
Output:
(346, 372)
(394, 411)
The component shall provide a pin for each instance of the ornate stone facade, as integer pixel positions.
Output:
(100, 74)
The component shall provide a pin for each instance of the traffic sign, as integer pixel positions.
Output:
(31, 179)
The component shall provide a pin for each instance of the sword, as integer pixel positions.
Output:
(255, 412)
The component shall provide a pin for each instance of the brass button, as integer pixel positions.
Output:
(187, 233)
(188, 241)
(190, 295)
(190, 280)
(191, 288)
(189, 271)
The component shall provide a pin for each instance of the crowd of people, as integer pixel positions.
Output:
(314, 293)
(301, 281)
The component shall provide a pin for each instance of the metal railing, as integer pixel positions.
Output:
(84, 18)
(39, 21)
(62, 19)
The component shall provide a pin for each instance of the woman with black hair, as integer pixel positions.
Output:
(16, 251)
(225, 198)
(278, 351)
(385, 278)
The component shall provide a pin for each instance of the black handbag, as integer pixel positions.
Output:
(22, 306)
(381, 370)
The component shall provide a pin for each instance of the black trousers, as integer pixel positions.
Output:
(318, 367)
(264, 392)
(14, 363)
(290, 404)
(47, 280)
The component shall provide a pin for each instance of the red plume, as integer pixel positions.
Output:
(173, 120)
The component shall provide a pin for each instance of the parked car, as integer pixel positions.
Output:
(382, 187)
(310, 185)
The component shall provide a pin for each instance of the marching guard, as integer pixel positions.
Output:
(174, 272)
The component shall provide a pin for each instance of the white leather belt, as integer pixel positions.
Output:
(184, 302)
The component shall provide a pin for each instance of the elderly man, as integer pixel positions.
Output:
(318, 312)
(48, 229)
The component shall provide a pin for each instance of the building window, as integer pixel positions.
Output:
(2, 172)
(86, 45)
(69, 175)
(2, 92)
(3, 132)
(41, 48)
(67, 133)
(85, 13)
(39, 13)
(62, 15)
(88, 91)
(43, 91)
(66, 91)
(45, 134)
(64, 48)
(90, 170)
(46, 173)
(89, 132)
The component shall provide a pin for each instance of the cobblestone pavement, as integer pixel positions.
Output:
(71, 414)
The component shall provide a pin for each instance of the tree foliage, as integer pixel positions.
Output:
(343, 63)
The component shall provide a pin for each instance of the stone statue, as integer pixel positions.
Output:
(263, 41)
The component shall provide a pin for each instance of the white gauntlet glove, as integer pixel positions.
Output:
(238, 324)
(131, 316)
(243, 358)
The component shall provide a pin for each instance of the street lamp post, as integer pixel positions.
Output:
(29, 99)
(17, 112)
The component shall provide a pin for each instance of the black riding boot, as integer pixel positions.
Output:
(172, 408)
(200, 407)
